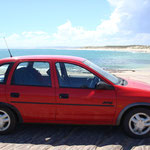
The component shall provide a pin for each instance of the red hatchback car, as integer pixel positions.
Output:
(70, 90)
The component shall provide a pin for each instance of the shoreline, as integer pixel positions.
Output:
(115, 49)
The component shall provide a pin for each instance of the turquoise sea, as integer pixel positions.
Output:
(116, 60)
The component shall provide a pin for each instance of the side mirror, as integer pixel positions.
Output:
(104, 86)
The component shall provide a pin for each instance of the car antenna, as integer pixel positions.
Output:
(7, 47)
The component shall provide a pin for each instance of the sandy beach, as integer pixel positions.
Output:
(140, 75)
(110, 49)
(116, 49)
(133, 48)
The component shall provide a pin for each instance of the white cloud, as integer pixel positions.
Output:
(128, 24)
(35, 34)
(72, 36)
(137, 16)
(27, 40)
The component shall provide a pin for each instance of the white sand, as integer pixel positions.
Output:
(143, 50)
(141, 75)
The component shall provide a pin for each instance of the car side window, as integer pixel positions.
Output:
(4, 70)
(32, 74)
(74, 76)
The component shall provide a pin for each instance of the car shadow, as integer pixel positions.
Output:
(72, 135)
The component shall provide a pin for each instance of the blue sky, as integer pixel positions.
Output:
(32, 15)
(48, 23)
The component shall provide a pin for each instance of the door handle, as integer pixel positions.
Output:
(63, 96)
(15, 95)
(107, 102)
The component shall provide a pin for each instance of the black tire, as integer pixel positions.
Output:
(128, 124)
(11, 124)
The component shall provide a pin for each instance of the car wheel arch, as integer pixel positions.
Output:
(128, 108)
(14, 110)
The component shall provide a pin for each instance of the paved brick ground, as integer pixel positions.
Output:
(70, 137)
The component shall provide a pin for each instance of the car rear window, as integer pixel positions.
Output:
(32, 74)
(4, 71)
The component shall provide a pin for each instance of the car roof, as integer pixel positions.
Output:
(43, 57)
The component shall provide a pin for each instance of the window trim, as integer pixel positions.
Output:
(7, 71)
(31, 85)
(66, 72)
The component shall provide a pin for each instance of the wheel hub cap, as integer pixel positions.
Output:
(140, 124)
(4, 120)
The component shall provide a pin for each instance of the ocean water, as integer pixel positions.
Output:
(116, 60)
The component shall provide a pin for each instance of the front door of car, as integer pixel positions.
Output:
(31, 91)
(77, 98)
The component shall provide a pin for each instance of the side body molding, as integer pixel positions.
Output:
(14, 109)
(128, 107)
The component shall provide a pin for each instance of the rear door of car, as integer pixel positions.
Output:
(30, 89)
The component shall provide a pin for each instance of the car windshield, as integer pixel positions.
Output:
(105, 74)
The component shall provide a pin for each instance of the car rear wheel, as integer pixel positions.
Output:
(136, 123)
(7, 120)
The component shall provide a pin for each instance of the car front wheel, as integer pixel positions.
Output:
(7, 120)
(136, 123)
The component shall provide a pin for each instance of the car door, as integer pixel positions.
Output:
(31, 90)
(77, 98)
